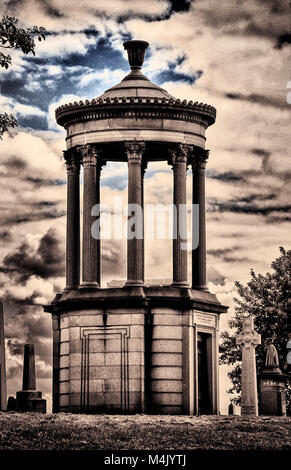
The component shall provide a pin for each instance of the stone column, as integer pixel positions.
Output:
(135, 262)
(199, 253)
(73, 220)
(29, 399)
(90, 199)
(98, 176)
(179, 161)
(28, 380)
(143, 170)
(249, 339)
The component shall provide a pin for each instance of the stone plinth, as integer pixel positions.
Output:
(29, 399)
(132, 350)
(272, 386)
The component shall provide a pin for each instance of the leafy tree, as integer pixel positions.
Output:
(268, 300)
(13, 37)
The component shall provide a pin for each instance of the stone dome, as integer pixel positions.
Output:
(135, 109)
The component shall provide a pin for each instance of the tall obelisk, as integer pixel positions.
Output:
(3, 390)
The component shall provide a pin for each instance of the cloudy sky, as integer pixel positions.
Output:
(231, 54)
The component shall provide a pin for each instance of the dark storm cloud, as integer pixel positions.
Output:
(6, 236)
(226, 177)
(259, 99)
(15, 163)
(33, 122)
(51, 10)
(47, 261)
(228, 254)
(15, 347)
(283, 40)
(248, 205)
(223, 251)
(38, 182)
(20, 218)
(261, 18)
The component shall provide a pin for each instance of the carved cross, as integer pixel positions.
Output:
(249, 340)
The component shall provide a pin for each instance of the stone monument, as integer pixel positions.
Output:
(272, 387)
(3, 398)
(137, 347)
(249, 340)
(29, 399)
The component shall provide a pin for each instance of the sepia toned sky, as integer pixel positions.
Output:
(234, 55)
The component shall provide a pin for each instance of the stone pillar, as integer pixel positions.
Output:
(179, 161)
(28, 379)
(199, 253)
(98, 175)
(3, 389)
(90, 199)
(143, 170)
(29, 399)
(135, 262)
(73, 220)
(249, 340)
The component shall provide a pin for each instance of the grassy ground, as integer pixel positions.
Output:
(93, 432)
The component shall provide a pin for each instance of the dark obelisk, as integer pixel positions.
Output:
(3, 398)
(29, 399)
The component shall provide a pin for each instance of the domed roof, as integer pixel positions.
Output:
(135, 96)
(136, 85)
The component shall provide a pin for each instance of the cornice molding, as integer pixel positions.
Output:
(143, 108)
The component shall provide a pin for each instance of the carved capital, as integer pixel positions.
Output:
(89, 155)
(179, 154)
(134, 152)
(200, 159)
(72, 161)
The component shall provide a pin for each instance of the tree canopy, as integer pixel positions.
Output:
(268, 300)
(13, 37)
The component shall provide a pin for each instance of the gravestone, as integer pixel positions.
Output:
(249, 340)
(3, 397)
(29, 399)
(272, 389)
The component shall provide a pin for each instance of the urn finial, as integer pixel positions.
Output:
(136, 51)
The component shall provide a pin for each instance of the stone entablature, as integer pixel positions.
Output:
(146, 108)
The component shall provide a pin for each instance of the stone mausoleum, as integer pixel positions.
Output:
(138, 348)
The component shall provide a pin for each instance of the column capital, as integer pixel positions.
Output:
(90, 155)
(200, 159)
(179, 153)
(134, 152)
(72, 161)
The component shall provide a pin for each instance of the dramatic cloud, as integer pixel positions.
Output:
(233, 55)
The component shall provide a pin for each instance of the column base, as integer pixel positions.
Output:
(68, 288)
(134, 283)
(181, 284)
(89, 285)
(204, 288)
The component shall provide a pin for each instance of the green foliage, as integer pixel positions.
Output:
(267, 300)
(6, 121)
(13, 37)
